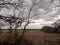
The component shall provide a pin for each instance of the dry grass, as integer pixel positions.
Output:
(35, 35)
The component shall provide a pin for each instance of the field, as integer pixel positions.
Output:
(36, 36)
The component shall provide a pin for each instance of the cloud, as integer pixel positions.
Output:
(45, 13)
(39, 23)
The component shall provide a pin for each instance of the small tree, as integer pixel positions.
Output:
(56, 26)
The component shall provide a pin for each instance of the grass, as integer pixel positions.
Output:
(36, 37)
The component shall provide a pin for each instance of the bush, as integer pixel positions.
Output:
(56, 29)
(49, 29)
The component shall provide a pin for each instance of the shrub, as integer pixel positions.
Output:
(49, 29)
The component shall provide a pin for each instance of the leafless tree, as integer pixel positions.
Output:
(17, 21)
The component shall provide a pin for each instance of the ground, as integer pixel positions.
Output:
(36, 36)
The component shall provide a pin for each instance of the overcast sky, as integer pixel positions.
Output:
(45, 12)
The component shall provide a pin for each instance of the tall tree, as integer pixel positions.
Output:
(21, 14)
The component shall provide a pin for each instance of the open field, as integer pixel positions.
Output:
(36, 36)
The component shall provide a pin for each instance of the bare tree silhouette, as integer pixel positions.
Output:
(17, 21)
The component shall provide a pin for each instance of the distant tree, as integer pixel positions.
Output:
(56, 23)
(47, 29)
(56, 26)
(54, 29)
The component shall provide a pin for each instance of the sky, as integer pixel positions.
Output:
(44, 13)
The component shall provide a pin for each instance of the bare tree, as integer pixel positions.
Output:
(18, 21)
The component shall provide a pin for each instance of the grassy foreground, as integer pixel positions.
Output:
(36, 37)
